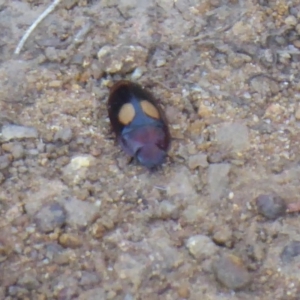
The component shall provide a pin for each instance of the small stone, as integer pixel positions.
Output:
(218, 180)
(121, 58)
(168, 210)
(10, 132)
(296, 43)
(230, 271)
(181, 183)
(20, 292)
(193, 214)
(52, 54)
(264, 85)
(98, 230)
(28, 282)
(160, 62)
(55, 84)
(198, 160)
(291, 21)
(137, 73)
(223, 236)
(64, 135)
(233, 136)
(32, 152)
(201, 247)
(183, 292)
(70, 241)
(297, 114)
(76, 170)
(89, 278)
(79, 213)
(4, 161)
(50, 217)
(131, 268)
(204, 111)
(5, 251)
(271, 206)
(62, 258)
(290, 251)
(69, 4)
(237, 60)
(298, 28)
(16, 149)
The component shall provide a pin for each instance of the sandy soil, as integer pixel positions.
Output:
(78, 222)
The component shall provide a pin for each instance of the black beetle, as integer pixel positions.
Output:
(139, 123)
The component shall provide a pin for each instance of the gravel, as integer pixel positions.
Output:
(78, 222)
(201, 247)
(64, 135)
(231, 272)
(79, 213)
(234, 137)
(11, 132)
(271, 206)
(290, 251)
(50, 217)
(218, 181)
(70, 241)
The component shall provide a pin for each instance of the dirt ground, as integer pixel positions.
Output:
(78, 222)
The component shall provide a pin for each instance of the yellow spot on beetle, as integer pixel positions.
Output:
(126, 113)
(149, 109)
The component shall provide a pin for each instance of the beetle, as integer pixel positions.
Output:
(139, 123)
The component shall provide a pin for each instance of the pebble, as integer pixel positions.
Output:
(230, 271)
(290, 251)
(198, 160)
(180, 183)
(64, 135)
(20, 292)
(76, 170)
(121, 59)
(271, 206)
(89, 278)
(79, 213)
(291, 21)
(4, 161)
(131, 268)
(183, 292)
(264, 85)
(233, 136)
(160, 62)
(28, 282)
(137, 73)
(5, 251)
(218, 180)
(237, 60)
(201, 247)
(70, 241)
(10, 132)
(223, 236)
(50, 217)
(52, 54)
(98, 230)
(16, 149)
(58, 254)
(168, 210)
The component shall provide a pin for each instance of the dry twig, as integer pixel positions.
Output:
(35, 24)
